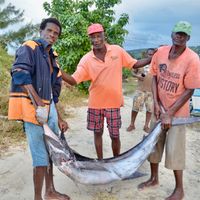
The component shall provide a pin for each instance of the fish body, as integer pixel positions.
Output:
(90, 171)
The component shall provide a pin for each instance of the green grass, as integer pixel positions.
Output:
(70, 97)
(5, 65)
(10, 132)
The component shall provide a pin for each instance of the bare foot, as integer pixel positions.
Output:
(178, 194)
(146, 129)
(56, 196)
(148, 184)
(130, 128)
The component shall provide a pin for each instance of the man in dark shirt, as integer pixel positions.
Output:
(35, 74)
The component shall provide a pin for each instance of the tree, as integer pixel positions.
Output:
(75, 16)
(9, 15)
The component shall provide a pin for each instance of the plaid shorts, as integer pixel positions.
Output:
(95, 120)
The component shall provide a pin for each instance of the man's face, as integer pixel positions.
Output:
(180, 38)
(150, 53)
(97, 40)
(50, 33)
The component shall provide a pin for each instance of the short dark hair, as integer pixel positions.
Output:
(50, 20)
(150, 49)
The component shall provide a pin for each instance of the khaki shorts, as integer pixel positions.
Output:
(140, 98)
(174, 142)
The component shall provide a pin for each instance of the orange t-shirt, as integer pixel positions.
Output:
(175, 76)
(106, 77)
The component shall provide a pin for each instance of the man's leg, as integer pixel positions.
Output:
(133, 118)
(38, 179)
(178, 192)
(50, 192)
(148, 101)
(153, 180)
(34, 135)
(116, 144)
(175, 148)
(138, 102)
(147, 120)
(113, 118)
(98, 144)
(154, 159)
(95, 123)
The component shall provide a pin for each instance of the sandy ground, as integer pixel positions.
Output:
(16, 170)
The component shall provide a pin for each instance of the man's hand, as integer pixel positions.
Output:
(141, 78)
(63, 125)
(157, 111)
(42, 114)
(166, 121)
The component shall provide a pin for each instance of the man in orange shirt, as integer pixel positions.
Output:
(174, 69)
(103, 67)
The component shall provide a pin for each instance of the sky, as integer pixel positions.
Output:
(150, 21)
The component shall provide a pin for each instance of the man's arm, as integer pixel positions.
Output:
(37, 101)
(22, 78)
(135, 73)
(142, 62)
(180, 102)
(63, 125)
(42, 112)
(156, 102)
(166, 118)
(68, 78)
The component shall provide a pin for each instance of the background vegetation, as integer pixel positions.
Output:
(75, 17)
(10, 132)
(137, 53)
(9, 16)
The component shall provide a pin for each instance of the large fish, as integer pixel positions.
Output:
(95, 172)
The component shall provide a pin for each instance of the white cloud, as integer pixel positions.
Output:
(34, 11)
(150, 21)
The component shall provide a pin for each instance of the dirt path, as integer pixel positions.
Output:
(16, 171)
